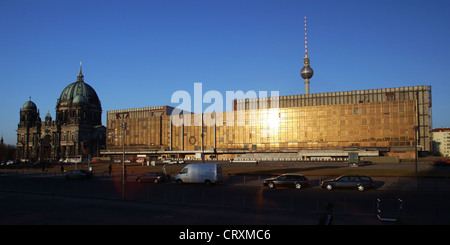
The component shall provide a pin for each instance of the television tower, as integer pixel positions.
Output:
(306, 72)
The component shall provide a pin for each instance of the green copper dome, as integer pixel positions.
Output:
(29, 105)
(79, 99)
(79, 92)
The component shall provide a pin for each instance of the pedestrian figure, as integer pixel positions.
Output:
(62, 169)
(327, 217)
(110, 169)
(164, 169)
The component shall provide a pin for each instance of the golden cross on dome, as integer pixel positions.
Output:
(80, 74)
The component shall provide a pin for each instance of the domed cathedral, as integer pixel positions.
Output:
(77, 129)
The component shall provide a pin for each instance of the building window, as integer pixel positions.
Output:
(390, 96)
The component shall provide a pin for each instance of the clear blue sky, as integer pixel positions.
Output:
(138, 53)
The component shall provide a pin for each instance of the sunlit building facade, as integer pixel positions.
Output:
(375, 122)
(441, 141)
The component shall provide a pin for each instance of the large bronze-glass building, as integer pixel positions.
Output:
(374, 122)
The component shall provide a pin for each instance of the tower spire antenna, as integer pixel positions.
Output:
(306, 40)
(306, 72)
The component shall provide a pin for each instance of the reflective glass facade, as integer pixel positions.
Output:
(384, 120)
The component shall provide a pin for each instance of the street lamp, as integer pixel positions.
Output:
(416, 129)
(124, 126)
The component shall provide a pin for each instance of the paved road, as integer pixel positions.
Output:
(103, 200)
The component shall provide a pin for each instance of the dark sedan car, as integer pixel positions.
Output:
(79, 174)
(155, 177)
(287, 180)
(349, 182)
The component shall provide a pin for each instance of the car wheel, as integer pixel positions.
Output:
(298, 185)
(156, 181)
(207, 182)
(360, 188)
(329, 187)
(271, 185)
(179, 181)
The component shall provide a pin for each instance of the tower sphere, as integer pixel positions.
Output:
(306, 72)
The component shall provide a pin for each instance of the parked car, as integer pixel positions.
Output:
(288, 180)
(155, 177)
(79, 174)
(441, 163)
(346, 181)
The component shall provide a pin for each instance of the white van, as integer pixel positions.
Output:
(208, 173)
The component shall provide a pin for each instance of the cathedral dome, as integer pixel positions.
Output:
(29, 105)
(78, 92)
